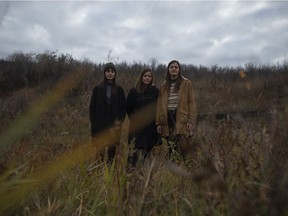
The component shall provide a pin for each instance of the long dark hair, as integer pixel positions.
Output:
(168, 78)
(140, 86)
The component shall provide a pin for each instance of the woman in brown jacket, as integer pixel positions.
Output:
(176, 109)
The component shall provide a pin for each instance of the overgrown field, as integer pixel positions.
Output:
(237, 163)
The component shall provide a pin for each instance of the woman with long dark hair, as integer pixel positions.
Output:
(108, 108)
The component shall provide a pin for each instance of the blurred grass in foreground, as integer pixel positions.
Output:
(237, 166)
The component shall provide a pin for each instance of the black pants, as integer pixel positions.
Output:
(178, 142)
(111, 152)
(104, 153)
(139, 154)
(172, 134)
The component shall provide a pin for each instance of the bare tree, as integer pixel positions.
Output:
(153, 63)
(111, 58)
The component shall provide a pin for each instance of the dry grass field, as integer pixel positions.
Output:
(237, 163)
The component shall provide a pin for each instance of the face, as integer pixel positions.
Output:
(174, 70)
(110, 74)
(147, 78)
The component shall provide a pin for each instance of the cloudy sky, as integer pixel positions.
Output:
(226, 33)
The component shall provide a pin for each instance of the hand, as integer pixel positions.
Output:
(189, 127)
(159, 129)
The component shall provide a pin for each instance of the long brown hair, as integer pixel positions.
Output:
(140, 87)
(168, 78)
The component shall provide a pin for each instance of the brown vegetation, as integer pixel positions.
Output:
(238, 161)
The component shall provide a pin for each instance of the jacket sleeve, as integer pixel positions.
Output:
(129, 102)
(93, 104)
(192, 104)
(122, 107)
(159, 106)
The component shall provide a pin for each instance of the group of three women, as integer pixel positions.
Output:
(168, 112)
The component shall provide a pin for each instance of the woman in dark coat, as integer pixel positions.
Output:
(141, 110)
(108, 108)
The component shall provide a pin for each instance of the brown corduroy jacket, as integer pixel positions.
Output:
(186, 111)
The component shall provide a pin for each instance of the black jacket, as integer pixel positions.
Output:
(141, 110)
(104, 115)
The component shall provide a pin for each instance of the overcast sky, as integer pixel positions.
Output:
(226, 33)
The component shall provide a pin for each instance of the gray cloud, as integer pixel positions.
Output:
(207, 33)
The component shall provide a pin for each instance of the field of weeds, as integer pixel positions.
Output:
(237, 163)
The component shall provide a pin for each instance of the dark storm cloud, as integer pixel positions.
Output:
(206, 33)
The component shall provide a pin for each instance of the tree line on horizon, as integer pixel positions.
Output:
(25, 70)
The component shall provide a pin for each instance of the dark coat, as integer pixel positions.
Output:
(104, 115)
(141, 110)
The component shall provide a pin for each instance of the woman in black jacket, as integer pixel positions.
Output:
(141, 110)
(108, 108)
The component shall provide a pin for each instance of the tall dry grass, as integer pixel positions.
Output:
(237, 163)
